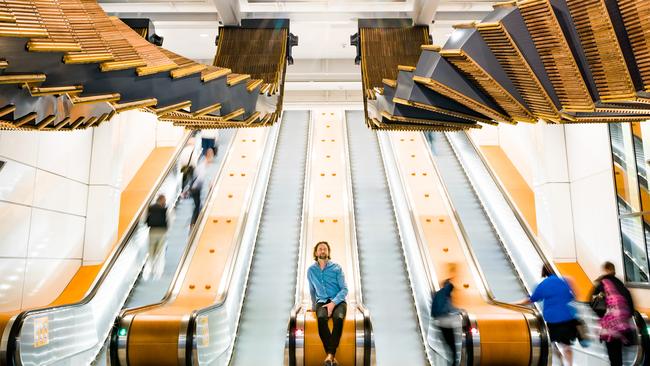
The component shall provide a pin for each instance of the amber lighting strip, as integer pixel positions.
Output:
(602, 49)
(462, 99)
(138, 104)
(420, 121)
(234, 79)
(376, 124)
(636, 16)
(556, 55)
(519, 71)
(21, 78)
(159, 112)
(38, 91)
(473, 71)
(442, 111)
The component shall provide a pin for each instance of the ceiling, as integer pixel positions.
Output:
(323, 26)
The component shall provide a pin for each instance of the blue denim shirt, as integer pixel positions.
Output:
(327, 283)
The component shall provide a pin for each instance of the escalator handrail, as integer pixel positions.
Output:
(262, 177)
(354, 249)
(301, 274)
(515, 210)
(368, 343)
(643, 338)
(16, 323)
(464, 240)
(300, 269)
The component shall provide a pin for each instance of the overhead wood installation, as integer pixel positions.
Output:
(65, 65)
(558, 61)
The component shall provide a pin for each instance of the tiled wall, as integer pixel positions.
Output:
(59, 201)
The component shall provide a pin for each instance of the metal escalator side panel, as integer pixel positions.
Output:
(369, 352)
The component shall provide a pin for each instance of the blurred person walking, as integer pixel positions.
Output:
(157, 222)
(612, 301)
(445, 316)
(559, 314)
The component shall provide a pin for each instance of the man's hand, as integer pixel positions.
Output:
(330, 308)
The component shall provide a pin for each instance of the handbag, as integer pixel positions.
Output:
(598, 304)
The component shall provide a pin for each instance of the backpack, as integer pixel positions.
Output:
(440, 301)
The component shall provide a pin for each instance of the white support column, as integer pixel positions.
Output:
(229, 11)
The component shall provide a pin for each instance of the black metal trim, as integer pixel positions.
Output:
(469, 342)
(292, 338)
(367, 340)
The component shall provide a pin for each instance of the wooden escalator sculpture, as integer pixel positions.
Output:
(557, 61)
(65, 65)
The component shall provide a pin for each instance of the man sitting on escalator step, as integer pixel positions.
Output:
(328, 290)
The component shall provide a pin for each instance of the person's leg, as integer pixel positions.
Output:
(568, 354)
(615, 352)
(338, 318)
(323, 327)
(196, 196)
(450, 340)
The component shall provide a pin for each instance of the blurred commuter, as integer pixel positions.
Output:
(616, 325)
(559, 314)
(447, 317)
(328, 290)
(188, 159)
(209, 140)
(157, 222)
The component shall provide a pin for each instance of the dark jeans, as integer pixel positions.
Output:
(195, 193)
(615, 352)
(330, 339)
(450, 340)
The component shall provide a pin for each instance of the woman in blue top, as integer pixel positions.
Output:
(559, 314)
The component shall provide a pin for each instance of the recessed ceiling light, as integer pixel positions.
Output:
(203, 35)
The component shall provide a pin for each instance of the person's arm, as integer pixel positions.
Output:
(537, 295)
(312, 289)
(343, 292)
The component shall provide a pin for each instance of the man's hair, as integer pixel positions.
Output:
(329, 250)
(546, 271)
(609, 267)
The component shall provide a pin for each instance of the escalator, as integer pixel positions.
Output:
(437, 246)
(195, 321)
(160, 268)
(491, 252)
(524, 249)
(328, 215)
(384, 276)
(74, 333)
(270, 285)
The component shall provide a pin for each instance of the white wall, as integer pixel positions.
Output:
(59, 200)
(43, 198)
(569, 168)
